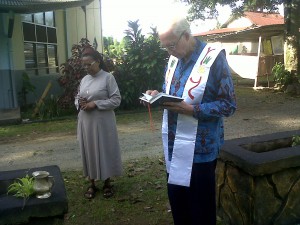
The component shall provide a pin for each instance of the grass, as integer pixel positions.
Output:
(140, 197)
(32, 130)
(140, 194)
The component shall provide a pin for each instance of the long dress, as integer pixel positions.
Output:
(96, 129)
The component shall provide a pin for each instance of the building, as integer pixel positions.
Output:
(254, 42)
(36, 36)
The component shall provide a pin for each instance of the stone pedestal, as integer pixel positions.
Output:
(11, 208)
(258, 180)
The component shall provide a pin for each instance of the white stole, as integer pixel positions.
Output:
(180, 166)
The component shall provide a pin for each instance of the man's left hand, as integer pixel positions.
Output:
(179, 107)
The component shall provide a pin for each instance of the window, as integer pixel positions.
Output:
(40, 43)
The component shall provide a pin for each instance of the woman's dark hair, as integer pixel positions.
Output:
(97, 56)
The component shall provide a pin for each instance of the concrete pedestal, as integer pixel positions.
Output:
(11, 208)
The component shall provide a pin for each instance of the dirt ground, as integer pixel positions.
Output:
(259, 112)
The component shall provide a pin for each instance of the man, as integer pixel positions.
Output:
(192, 130)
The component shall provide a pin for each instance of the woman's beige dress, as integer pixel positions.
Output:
(96, 129)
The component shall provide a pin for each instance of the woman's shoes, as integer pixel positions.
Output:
(91, 192)
(108, 191)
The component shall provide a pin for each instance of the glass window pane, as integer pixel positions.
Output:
(29, 32)
(27, 17)
(39, 18)
(52, 58)
(29, 52)
(49, 17)
(51, 35)
(41, 55)
(41, 34)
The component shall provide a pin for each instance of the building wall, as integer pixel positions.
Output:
(241, 22)
(72, 24)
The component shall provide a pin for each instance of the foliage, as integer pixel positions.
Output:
(201, 9)
(282, 77)
(71, 73)
(27, 87)
(295, 140)
(49, 108)
(136, 62)
(22, 188)
(140, 65)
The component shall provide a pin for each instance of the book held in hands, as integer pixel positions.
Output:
(160, 98)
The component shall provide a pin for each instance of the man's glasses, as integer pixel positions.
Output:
(172, 47)
(88, 65)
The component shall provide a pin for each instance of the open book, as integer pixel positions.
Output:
(160, 98)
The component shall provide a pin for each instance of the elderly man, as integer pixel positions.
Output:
(192, 130)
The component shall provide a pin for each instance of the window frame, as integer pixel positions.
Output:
(41, 38)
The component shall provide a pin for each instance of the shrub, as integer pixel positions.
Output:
(282, 77)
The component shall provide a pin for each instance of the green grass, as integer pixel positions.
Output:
(64, 126)
(140, 197)
(20, 131)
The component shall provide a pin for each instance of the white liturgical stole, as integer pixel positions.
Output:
(180, 166)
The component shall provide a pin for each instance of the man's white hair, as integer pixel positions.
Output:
(174, 20)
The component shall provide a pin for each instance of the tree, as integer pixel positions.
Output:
(201, 9)
(139, 63)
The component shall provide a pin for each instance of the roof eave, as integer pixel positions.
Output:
(35, 6)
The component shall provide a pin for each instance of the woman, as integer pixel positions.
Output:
(97, 98)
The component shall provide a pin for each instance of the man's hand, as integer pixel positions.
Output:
(149, 92)
(179, 107)
(152, 92)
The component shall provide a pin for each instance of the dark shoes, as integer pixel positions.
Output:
(92, 189)
(108, 191)
(91, 192)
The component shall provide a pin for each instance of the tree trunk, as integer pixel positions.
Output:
(292, 37)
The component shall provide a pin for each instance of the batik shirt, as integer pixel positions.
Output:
(218, 102)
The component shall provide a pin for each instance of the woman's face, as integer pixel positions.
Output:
(91, 65)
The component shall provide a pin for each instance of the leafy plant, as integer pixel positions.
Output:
(72, 72)
(282, 77)
(22, 188)
(49, 108)
(142, 65)
(27, 87)
(295, 140)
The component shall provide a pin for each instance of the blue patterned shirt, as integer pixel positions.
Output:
(218, 102)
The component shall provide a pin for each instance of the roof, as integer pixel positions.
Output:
(262, 19)
(263, 24)
(33, 6)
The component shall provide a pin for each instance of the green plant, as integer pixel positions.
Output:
(295, 140)
(22, 188)
(27, 87)
(282, 77)
(141, 67)
(72, 72)
(49, 108)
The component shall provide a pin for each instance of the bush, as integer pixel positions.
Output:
(141, 65)
(282, 77)
(137, 64)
